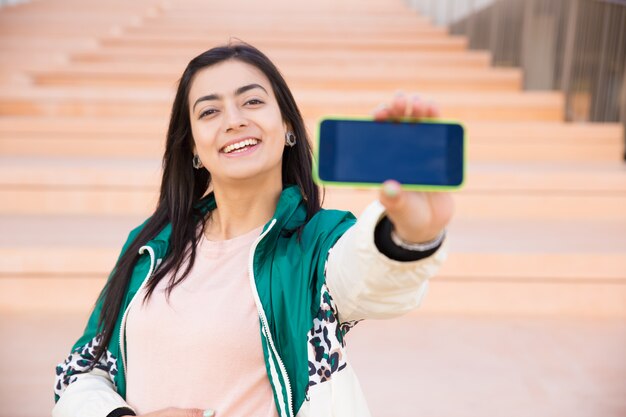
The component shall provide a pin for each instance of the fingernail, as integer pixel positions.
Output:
(434, 107)
(208, 413)
(415, 97)
(399, 93)
(391, 188)
(378, 108)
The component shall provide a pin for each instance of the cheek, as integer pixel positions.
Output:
(278, 142)
(203, 136)
(274, 130)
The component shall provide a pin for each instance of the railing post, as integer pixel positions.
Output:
(529, 8)
(471, 24)
(493, 30)
(597, 111)
(568, 58)
(622, 105)
(449, 12)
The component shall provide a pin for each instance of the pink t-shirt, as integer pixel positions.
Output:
(202, 349)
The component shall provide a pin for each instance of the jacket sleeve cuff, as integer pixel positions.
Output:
(91, 395)
(386, 245)
(122, 411)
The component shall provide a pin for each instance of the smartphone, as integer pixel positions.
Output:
(424, 155)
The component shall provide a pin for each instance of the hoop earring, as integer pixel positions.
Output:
(290, 139)
(196, 162)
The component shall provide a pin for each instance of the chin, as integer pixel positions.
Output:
(248, 174)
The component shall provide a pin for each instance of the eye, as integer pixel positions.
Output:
(206, 112)
(254, 101)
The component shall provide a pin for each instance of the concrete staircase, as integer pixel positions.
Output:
(85, 92)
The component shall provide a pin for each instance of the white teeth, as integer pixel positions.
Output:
(239, 145)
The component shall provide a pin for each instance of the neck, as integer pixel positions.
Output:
(241, 208)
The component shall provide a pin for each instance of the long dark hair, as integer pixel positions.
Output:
(182, 186)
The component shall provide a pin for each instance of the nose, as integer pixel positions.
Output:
(234, 118)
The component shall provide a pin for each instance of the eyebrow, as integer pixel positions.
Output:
(238, 92)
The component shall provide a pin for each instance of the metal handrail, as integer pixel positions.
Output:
(576, 46)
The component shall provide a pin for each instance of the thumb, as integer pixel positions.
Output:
(205, 413)
(392, 197)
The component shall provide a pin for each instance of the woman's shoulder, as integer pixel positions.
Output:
(333, 216)
(134, 232)
(328, 224)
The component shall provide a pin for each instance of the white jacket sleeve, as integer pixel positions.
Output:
(364, 283)
(91, 395)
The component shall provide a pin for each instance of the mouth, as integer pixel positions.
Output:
(240, 146)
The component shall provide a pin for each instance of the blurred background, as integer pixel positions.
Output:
(527, 317)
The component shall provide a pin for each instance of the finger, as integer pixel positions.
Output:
(432, 110)
(392, 197)
(417, 108)
(191, 412)
(398, 106)
(381, 112)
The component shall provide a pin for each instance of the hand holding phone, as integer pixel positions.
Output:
(418, 216)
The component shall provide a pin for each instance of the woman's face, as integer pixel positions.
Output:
(236, 123)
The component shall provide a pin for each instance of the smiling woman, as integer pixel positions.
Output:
(234, 298)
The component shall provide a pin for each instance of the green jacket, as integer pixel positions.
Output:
(319, 283)
(283, 271)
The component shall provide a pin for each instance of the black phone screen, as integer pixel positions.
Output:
(361, 151)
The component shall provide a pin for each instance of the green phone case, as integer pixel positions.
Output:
(414, 187)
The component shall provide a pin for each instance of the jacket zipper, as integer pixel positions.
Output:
(264, 324)
(153, 264)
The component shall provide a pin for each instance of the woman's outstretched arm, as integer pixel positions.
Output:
(363, 278)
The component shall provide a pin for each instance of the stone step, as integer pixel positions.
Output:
(131, 27)
(110, 102)
(373, 77)
(264, 27)
(426, 72)
(30, 29)
(368, 13)
(9, 44)
(56, 11)
(318, 14)
(143, 23)
(284, 56)
(409, 45)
